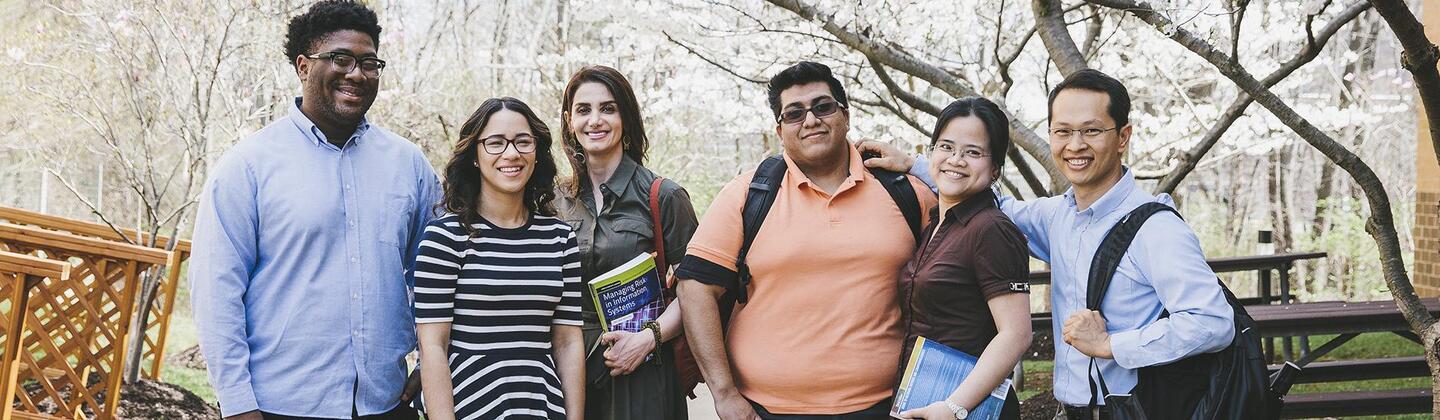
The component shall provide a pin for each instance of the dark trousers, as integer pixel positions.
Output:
(401, 412)
(1085, 413)
(879, 411)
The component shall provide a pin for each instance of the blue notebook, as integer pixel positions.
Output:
(933, 373)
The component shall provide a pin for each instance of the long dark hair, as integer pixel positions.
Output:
(997, 127)
(463, 179)
(632, 137)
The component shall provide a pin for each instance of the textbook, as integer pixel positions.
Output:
(628, 296)
(933, 373)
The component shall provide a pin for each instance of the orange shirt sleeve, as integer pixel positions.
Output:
(717, 239)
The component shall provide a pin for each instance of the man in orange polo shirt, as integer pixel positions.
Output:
(820, 334)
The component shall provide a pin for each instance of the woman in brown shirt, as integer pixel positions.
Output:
(607, 202)
(966, 285)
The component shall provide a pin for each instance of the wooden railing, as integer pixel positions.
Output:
(19, 273)
(157, 324)
(73, 344)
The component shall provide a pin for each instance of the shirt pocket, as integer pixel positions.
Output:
(633, 234)
(395, 227)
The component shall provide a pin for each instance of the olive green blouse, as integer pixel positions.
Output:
(623, 229)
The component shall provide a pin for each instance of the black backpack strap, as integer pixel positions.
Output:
(763, 189)
(898, 185)
(1113, 248)
(1102, 269)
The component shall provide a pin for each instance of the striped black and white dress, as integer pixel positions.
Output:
(501, 290)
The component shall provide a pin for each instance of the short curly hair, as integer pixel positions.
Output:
(324, 18)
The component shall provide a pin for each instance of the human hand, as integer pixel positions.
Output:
(890, 157)
(412, 387)
(627, 350)
(732, 406)
(935, 411)
(1086, 332)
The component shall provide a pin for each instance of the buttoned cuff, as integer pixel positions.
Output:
(1125, 346)
(237, 399)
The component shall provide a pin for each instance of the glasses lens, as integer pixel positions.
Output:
(342, 60)
(793, 115)
(824, 109)
(525, 144)
(494, 146)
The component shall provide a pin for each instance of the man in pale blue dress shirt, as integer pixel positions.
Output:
(303, 242)
(1164, 270)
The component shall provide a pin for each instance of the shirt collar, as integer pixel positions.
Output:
(619, 181)
(314, 134)
(964, 211)
(856, 168)
(1112, 198)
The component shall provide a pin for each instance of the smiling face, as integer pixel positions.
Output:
(966, 168)
(1090, 163)
(815, 139)
(507, 172)
(333, 98)
(594, 119)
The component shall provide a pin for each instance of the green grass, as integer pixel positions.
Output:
(182, 336)
(194, 380)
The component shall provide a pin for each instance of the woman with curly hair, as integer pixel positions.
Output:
(497, 279)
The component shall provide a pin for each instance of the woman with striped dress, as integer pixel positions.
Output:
(497, 280)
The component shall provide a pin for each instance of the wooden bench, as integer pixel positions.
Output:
(1360, 370)
(157, 324)
(1357, 403)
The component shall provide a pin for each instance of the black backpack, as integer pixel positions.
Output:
(763, 189)
(1226, 384)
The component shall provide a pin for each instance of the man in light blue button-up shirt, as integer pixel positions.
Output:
(1164, 270)
(304, 238)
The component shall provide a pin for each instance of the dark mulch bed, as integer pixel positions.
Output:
(1041, 406)
(1042, 346)
(148, 400)
(159, 400)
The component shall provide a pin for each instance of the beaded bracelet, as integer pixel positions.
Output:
(655, 327)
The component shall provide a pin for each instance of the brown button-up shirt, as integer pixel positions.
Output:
(977, 254)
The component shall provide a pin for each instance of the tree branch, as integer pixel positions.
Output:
(882, 103)
(1050, 25)
(1380, 225)
(1024, 137)
(1314, 45)
(900, 93)
(754, 80)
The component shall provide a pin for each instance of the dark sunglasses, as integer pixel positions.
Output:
(821, 110)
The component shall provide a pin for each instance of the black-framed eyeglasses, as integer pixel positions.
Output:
(346, 62)
(496, 144)
(1089, 132)
(821, 110)
(947, 150)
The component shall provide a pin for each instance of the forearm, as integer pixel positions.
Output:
(671, 325)
(995, 364)
(569, 355)
(435, 379)
(702, 326)
(223, 340)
